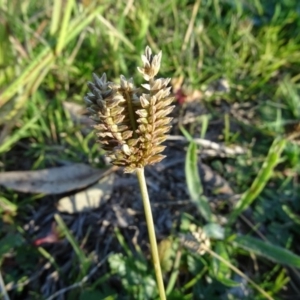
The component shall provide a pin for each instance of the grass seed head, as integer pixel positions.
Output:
(132, 122)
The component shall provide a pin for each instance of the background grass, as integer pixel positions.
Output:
(49, 49)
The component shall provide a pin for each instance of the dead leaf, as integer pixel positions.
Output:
(54, 180)
(88, 199)
(51, 238)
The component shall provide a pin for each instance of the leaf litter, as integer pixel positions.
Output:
(52, 181)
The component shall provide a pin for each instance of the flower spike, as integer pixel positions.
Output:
(132, 124)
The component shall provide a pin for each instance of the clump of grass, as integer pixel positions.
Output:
(131, 124)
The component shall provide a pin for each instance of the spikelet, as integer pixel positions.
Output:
(132, 122)
(196, 240)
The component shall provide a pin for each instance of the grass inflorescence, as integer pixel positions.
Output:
(132, 122)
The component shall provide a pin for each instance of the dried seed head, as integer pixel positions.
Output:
(151, 64)
(196, 240)
(131, 125)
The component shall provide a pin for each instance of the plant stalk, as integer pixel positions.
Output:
(151, 232)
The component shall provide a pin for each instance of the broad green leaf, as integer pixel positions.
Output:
(196, 264)
(221, 271)
(117, 263)
(135, 277)
(272, 252)
(166, 254)
(214, 231)
(185, 222)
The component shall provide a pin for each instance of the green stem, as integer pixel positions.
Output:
(151, 232)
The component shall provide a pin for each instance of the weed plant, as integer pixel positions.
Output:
(242, 59)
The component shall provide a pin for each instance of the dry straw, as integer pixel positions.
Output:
(131, 125)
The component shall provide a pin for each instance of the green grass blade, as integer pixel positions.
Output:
(192, 174)
(186, 133)
(84, 261)
(261, 180)
(122, 242)
(56, 13)
(29, 72)
(49, 257)
(77, 25)
(175, 273)
(294, 217)
(222, 271)
(64, 27)
(270, 251)
(16, 136)
(46, 56)
(194, 183)
(204, 125)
